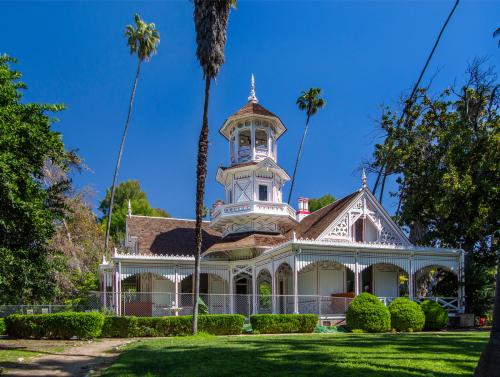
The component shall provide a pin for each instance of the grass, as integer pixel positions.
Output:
(375, 355)
(13, 349)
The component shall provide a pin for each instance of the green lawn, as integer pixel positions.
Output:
(385, 355)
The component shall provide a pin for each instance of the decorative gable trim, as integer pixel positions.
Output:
(365, 205)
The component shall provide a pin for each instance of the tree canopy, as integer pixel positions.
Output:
(446, 158)
(317, 203)
(27, 203)
(125, 191)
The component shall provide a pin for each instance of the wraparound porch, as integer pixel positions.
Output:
(323, 281)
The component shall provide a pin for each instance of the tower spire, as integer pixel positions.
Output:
(252, 97)
(363, 178)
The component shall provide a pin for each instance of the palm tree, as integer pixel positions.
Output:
(210, 20)
(488, 363)
(143, 40)
(311, 102)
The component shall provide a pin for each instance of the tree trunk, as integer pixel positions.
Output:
(119, 160)
(298, 157)
(201, 174)
(489, 363)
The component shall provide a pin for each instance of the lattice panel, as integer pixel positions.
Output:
(341, 229)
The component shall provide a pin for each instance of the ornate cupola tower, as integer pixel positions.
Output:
(254, 181)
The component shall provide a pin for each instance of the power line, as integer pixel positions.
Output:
(415, 87)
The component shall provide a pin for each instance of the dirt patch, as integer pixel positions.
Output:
(70, 358)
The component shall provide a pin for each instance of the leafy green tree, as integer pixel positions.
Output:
(446, 156)
(142, 40)
(28, 207)
(210, 20)
(310, 102)
(317, 203)
(125, 191)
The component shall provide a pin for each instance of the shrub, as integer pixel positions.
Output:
(406, 315)
(2, 327)
(119, 327)
(283, 323)
(221, 324)
(55, 326)
(367, 313)
(436, 317)
(126, 327)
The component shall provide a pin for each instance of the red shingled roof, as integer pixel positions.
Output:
(158, 235)
(254, 108)
(316, 223)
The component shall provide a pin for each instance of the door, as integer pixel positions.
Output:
(385, 281)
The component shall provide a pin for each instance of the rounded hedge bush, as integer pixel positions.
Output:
(406, 315)
(367, 313)
(436, 317)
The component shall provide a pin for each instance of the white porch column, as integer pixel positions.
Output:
(176, 291)
(254, 291)
(356, 275)
(461, 281)
(231, 297)
(295, 285)
(119, 288)
(411, 279)
(273, 288)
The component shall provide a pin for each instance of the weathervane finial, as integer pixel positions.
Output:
(252, 97)
(363, 178)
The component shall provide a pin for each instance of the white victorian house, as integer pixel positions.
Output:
(260, 255)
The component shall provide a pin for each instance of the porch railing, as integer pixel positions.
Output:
(152, 304)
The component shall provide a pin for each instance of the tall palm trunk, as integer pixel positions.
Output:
(489, 363)
(298, 156)
(120, 153)
(201, 174)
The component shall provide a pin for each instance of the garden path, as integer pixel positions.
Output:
(73, 361)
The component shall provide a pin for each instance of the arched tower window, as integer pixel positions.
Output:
(245, 142)
(261, 141)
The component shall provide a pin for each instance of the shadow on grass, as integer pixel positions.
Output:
(317, 355)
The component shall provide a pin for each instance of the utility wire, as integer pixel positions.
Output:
(415, 87)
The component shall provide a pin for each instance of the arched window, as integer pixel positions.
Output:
(245, 141)
(261, 141)
(358, 231)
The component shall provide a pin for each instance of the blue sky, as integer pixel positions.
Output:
(361, 53)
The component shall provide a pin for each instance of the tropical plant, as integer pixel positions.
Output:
(310, 102)
(210, 19)
(142, 40)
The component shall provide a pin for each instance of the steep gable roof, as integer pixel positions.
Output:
(313, 225)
